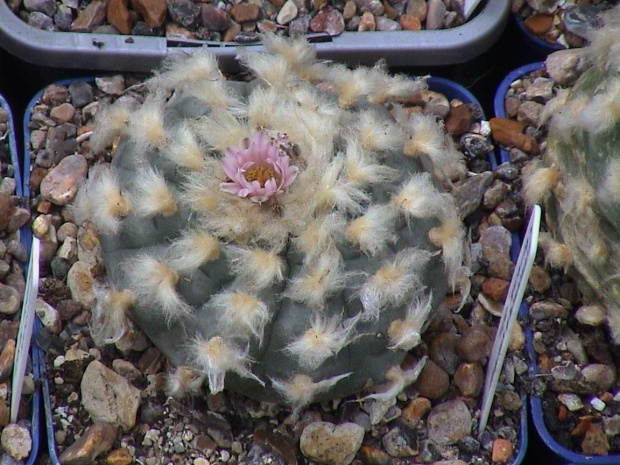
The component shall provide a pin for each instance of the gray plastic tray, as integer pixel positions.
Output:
(140, 53)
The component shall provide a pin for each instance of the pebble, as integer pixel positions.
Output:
(469, 378)
(474, 344)
(119, 457)
(287, 13)
(331, 444)
(184, 12)
(410, 22)
(90, 17)
(108, 397)
(111, 85)
(538, 24)
(597, 404)
(565, 66)
(417, 8)
(435, 14)
(469, 193)
(244, 12)
(547, 309)
(591, 315)
(49, 316)
(367, 23)
(398, 443)
(571, 401)
(459, 120)
(508, 400)
(414, 411)
(81, 282)
(119, 16)
(449, 422)
(502, 450)
(62, 113)
(16, 441)
(612, 425)
(595, 442)
(328, 20)
(433, 382)
(96, 440)
(496, 288)
(152, 11)
(61, 183)
(442, 351)
(10, 300)
(539, 279)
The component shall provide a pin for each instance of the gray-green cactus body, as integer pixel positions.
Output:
(578, 181)
(317, 292)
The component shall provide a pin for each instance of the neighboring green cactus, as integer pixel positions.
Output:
(578, 180)
(286, 238)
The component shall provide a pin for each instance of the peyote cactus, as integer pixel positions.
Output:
(286, 238)
(578, 180)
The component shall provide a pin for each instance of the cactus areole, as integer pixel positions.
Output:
(285, 238)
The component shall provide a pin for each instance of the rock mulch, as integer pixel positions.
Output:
(112, 398)
(561, 23)
(238, 21)
(15, 438)
(577, 364)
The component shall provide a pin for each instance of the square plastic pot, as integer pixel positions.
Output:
(567, 456)
(449, 88)
(25, 237)
(141, 53)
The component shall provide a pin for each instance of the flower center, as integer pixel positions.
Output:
(262, 174)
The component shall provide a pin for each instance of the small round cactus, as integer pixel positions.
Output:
(287, 237)
(578, 180)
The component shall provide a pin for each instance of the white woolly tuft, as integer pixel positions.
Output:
(377, 133)
(396, 87)
(350, 85)
(539, 183)
(557, 255)
(603, 112)
(220, 130)
(610, 190)
(255, 269)
(182, 381)
(450, 236)
(146, 125)
(334, 191)
(579, 197)
(406, 334)
(428, 138)
(394, 282)
(374, 230)
(109, 320)
(324, 339)
(240, 313)
(297, 52)
(186, 151)
(193, 249)
(419, 197)
(274, 70)
(321, 234)
(179, 71)
(359, 169)
(215, 94)
(101, 201)
(553, 106)
(319, 279)
(398, 379)
(155, 286)
(202, 192)
(261, 105)
(110, 122)
(215, 357)
(300, 390)
(152, 196)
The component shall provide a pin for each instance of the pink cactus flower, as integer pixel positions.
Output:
(257, 170)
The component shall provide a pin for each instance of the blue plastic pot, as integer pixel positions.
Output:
(449, 88)
(562, 452)
(25, 236)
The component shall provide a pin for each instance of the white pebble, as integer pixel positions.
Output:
(571, 401)
(598, 404)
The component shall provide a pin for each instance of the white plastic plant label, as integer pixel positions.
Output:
(509, 314)
(469, 6)
(25, 328)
